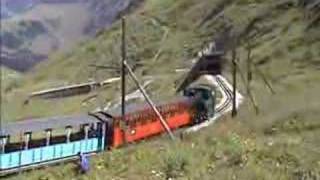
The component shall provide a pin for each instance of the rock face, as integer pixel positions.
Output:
(32, 29)
(104, 12)
(10, 8)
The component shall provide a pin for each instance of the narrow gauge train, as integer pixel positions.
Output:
(56, 139)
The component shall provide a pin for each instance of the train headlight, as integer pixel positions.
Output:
(133, 131)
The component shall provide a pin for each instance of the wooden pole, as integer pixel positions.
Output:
(149, 101)
(0, 73)
(234, 77)
(123, 70)
(249, 62)
(249, 93)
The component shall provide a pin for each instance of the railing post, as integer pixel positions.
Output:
(27, 138)
(86, 131)
(68, 133)
(102, 136)
(86, 135)
(48, 137)
(4, 140)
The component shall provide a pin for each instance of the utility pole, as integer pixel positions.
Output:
(126, 68)
(249, 63)
(234, 77)
(0, 72)
(123, 70)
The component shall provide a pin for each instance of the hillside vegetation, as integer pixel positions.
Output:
(280, 142)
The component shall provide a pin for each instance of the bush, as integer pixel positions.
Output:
(175, 165)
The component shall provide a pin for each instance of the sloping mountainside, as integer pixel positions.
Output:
(11, 7)
(281, 141)
(33, 29)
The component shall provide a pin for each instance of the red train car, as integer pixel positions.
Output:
(142, 122)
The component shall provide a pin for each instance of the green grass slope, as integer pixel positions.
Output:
(281, 142)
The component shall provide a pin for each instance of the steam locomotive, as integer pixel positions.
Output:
(35, 142)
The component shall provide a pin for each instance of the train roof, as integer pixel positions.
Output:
(41, 124)
(136, 107)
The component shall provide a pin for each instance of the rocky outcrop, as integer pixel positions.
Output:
(33, 27)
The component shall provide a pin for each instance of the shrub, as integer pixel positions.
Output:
(175, 165)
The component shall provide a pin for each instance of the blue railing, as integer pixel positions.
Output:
(49, 153)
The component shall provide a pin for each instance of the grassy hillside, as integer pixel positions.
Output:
(278, 143)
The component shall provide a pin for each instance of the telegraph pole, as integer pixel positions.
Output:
(0, 73)
(123, 69)
(234, 77)
(249, 62)
(126, 68)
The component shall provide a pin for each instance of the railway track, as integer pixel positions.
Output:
(228, 94)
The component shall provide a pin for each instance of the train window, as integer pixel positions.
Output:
(117, 121)
(95, 126)
(173, 108)
(92, 133)
(206, 95)
(138, 122)
(77, 133)
(13, 143)
(36, 140)
(170, 109)
(131, 123)
(164, 110)
(149, 117)
(58, 136)
(167, 114)
(137, 118)
(143, 118)
(182, 107)
(126, 121)
(100, 129)
(171, 113)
